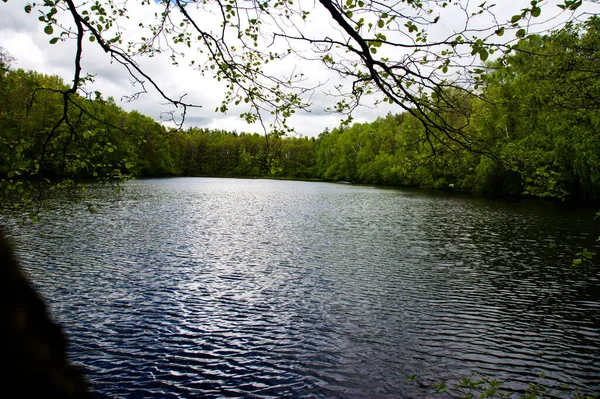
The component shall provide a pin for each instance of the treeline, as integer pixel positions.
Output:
(532, 128)
(534, 125)
(98, 139)
(204, 152)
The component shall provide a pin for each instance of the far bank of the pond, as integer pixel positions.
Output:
(573, 201)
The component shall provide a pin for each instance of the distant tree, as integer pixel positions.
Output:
(537, 111)
(6, 61)
(542, 111)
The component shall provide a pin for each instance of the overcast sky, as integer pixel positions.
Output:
(22, 36)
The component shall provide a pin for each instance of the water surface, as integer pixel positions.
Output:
(196, 287)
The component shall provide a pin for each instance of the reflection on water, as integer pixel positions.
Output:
(212, 287)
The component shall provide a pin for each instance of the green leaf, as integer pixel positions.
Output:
(535, 12)
(521, 33)
(54, 40)
(49, 30)
(483, 54)
(588, 254)
(500, 31)
(28, 8)
(380, 23)
(573, 4)
(515, 18)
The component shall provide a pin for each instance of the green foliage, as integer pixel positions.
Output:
(394, 150)
(583, 256)
(204, 152)
(533, 129)
(46, 148)
(541, 111)
(477, 386)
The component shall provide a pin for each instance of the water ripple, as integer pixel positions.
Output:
(261, 289)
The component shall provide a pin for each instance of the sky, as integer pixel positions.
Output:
(23, 37)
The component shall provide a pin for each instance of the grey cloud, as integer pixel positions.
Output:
(14, 18)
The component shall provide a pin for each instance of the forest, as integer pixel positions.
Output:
(531, 128)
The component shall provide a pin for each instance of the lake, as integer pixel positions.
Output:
(198, 287)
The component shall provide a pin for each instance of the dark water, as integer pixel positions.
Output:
(252, 288)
